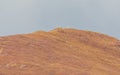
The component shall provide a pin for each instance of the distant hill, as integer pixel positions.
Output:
(59, 52)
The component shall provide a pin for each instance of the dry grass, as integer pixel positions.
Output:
(60, 52)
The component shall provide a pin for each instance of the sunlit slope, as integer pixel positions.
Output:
(60, 52)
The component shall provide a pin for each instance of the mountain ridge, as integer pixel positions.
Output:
(62, 51)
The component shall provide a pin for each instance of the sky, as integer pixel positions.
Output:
(25, 16)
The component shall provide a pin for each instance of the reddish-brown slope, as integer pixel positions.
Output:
(60, 52)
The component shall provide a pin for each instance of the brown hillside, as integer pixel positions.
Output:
(60, 52)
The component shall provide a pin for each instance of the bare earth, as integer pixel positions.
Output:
(59, 52)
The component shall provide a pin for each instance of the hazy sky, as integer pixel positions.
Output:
(24, 16)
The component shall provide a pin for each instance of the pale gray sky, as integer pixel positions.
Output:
(24, 16)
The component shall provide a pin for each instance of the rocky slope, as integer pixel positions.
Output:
(59, 52)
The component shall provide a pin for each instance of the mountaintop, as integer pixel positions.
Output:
(62, 51)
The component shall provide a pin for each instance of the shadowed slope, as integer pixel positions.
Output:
(60, 52)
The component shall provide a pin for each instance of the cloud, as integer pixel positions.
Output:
(29, 15)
